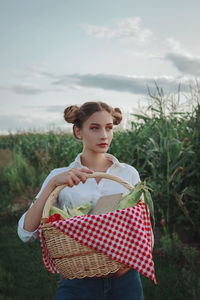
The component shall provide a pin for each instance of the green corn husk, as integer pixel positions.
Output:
(127, 201)
(79, 210)
(148, 201)
(71, 211)
(134, 196)
(56, 210)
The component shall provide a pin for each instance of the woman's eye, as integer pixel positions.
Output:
(94, 128)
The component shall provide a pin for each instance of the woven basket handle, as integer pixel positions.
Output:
(58, 189)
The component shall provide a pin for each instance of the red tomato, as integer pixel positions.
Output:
(55, 217)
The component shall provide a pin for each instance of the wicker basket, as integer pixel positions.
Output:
(71, 258)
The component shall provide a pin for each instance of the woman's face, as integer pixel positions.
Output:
(96, 132)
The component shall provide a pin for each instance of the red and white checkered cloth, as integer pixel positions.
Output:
(124, 235)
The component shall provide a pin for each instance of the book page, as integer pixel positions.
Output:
(106, 204)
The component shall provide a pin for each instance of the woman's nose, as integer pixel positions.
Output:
(103, 134)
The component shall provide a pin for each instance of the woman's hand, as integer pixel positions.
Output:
(72, 177)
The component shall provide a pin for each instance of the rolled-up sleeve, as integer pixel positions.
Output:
(23, 234)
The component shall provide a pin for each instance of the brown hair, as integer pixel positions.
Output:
(78, 115)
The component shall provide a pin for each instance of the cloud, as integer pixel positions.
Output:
(39, 70)
(35, 71)
(25, 89)
(185, 63)
(181, 59)
(29, 89)
(49, 108)
(19, 122)
(127, 29)
(56, 108)
(130, 84)
(118, 83)
(30, 120)
(174, 45)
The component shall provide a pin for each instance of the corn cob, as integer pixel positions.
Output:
(134, 196)
(71, 211)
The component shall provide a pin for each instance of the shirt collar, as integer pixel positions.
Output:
(111, 157)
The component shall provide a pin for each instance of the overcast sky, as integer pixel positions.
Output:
(57, 53)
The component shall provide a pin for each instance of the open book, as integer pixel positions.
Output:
(106, 204)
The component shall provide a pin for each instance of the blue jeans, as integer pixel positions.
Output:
(126, 287)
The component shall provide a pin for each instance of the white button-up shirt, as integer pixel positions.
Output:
(89, 191)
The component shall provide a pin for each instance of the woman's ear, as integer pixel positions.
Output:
(77, 132)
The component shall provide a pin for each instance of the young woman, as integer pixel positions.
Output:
(93, 124)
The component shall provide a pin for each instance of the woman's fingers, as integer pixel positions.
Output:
(75, 179)
(82, 176)
(80, 173)
(72, 177)
(70, 182)
(86, 170)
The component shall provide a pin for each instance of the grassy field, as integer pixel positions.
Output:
(24, 277)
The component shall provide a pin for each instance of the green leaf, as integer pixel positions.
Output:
(148, 201)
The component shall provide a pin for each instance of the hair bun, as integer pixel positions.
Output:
(71, 113)
(117, 115)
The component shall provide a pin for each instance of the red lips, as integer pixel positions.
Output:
(102, 145)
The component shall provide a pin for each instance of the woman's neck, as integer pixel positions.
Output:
(97, 162)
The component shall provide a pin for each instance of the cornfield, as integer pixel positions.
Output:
(164, 148)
